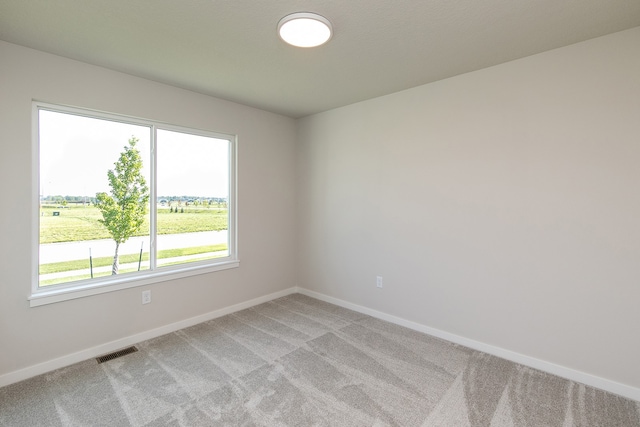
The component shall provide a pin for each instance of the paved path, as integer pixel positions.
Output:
(57, 252)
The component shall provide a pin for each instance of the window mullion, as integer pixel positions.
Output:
(153, 215)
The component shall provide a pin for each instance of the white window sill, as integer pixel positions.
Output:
(53, 295)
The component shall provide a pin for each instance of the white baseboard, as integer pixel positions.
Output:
(561, 371)
(70, 359)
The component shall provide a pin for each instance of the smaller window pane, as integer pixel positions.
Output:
(192, 197)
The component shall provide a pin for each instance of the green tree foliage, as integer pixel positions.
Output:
(123, 210)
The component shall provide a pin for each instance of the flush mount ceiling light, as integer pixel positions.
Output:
(304, 29)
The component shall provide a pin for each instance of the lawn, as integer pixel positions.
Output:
(74, 223)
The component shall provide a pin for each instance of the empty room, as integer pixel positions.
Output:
(296, 213)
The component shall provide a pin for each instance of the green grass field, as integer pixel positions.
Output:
(76, 223)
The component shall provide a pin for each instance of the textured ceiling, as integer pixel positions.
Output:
(229, 48)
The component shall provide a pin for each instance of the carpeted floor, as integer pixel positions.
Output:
(297, 361)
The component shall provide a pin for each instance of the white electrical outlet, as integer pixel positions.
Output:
(379, 281)
(146, 297)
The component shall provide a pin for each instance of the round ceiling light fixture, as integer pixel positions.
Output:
(305, 29)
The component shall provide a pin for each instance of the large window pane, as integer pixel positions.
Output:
(76, 153)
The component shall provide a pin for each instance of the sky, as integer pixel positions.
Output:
(76, 152)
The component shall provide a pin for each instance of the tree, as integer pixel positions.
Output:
(123, 211)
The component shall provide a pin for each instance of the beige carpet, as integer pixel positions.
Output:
(297, 361)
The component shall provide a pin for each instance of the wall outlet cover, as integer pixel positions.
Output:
(146, 297)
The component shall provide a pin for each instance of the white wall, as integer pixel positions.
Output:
(502, 206)
(30, 336)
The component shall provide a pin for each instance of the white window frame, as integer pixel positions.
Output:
(87, 287)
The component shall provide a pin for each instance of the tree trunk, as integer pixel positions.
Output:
(114, 269)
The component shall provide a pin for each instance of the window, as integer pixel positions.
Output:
(123, 202)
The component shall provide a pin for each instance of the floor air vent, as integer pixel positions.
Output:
(116, 354)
